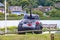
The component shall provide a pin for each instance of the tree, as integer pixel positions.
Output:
(46, 2)
(38, 12)
(1, 1)
(33, 3)
(14, 2)
(24, 3)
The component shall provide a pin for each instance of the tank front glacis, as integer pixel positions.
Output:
(30, 23)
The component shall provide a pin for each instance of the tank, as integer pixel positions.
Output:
(30, 22)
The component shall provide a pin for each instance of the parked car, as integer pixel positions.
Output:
(30, 23)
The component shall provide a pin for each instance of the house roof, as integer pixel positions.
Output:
(43, 8)
(15, 8)
(1, 4)
(57, 5)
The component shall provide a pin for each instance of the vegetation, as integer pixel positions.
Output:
(10, 29)
(1, 14)
(25, 37)
(12, 15)
(29, 37)
(33, 2)
(15, 17)
(36, 2)
(38, 12)
(2, 1)
(50, 18)
(56, 37)
(20, 17)
(45, 29)
(2, 29)
(58, 28)
(53, 14)
(13, 29)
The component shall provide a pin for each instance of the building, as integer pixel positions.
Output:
(44, 8)
(1, 7)
(57, 5)
(16, 10)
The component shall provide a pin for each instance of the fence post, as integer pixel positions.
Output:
(52, 36)
(49, 31)
(32, 32)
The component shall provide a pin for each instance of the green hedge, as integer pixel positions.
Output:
(49, 18)
(45, 29)
(12, 29)
(12, 15)
(2, 14)
(2, 29)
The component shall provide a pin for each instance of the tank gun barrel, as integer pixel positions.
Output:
(30, 6)
(30, 13)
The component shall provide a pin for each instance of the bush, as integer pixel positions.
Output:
(58, 28)
(54, 13)
(22, 15)
(27, 10)
(1, 14)
(12, 29)
(2, 29)
(44, 29)
(38, 12)
(12, 15)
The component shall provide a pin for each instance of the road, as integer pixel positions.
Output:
(16, 22)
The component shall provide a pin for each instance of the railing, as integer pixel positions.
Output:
(38, 30)
(52, 36)
(26, 31)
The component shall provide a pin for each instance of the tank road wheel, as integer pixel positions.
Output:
(38, 28)
(20, 29)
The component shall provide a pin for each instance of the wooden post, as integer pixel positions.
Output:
(52, 36)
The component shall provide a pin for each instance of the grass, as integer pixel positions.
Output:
(20, 17)
(12, 18)
(57, 36)
(50, 18)
(25, 37)
(28, 37)
(15, 18)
